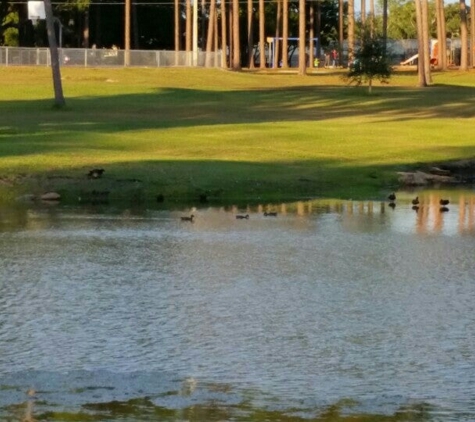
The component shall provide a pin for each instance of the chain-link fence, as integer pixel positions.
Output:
(89, 57)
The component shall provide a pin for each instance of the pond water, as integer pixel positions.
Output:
(327, 312)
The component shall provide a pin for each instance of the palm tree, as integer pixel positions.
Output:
(463, 36)
(59, 101)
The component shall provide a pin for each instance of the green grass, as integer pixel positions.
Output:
(236, 136)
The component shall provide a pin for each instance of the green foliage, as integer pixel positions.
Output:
(370, 61)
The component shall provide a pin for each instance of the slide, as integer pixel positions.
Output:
(410, 60)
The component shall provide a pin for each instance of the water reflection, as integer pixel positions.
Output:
(331, 311)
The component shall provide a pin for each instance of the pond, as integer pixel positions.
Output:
(328, 311)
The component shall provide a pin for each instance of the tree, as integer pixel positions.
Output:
(250, 34)
(285, 34)
(262, 40)
(236, 57)
(370, 61)
(302, 43)
(463, 36)
(59, 101)
(351, 30)
(421, 73)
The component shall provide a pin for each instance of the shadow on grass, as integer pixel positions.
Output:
(33, 128)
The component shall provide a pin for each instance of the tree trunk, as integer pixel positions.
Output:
(285, 34)
(188, 32)
(420, 41)
(262, 35)
(278, 23)
(341, 28)
(311, 36)
(59, 101)
(385, 24)
(85, 32)
(236, 44)
(224, 31)
(250, 34)
(441, 35)
(210, 37)
(472, 34)
(177, 31)
(426, 40)
(463, 36)
(318, 30)
(351, 29)
(127, 34)
(302, 43)
(363, 12)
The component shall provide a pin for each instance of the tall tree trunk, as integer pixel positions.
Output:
(262, 35)
(341, 29)
(426, 40)
(188, 33)
(285, 34)
(351, 29)
(127, 34)
(224, 47)
(250, 34)
(318, 30)
(472, 34)
(177, 31)
(236, 44)
(441, 35)
(385, 24)
(210, 37)
(278, 23)
(363, 12)
(59, 101)
(311, 35)
(463, 36)
(421, 74)
(302, 43)
(216, 37)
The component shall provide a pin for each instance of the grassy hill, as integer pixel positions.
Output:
(248, 136)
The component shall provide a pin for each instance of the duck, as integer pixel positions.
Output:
(270, 214)
(415, 201)
(190, 218)
(444, 202)
(242, 217)
(392, 196)
(95, 173)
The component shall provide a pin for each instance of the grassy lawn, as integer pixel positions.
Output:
(234, 136)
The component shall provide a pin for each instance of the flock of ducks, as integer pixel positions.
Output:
(415, 203)
(238, 216)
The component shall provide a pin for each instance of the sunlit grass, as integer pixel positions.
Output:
(244, 135)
